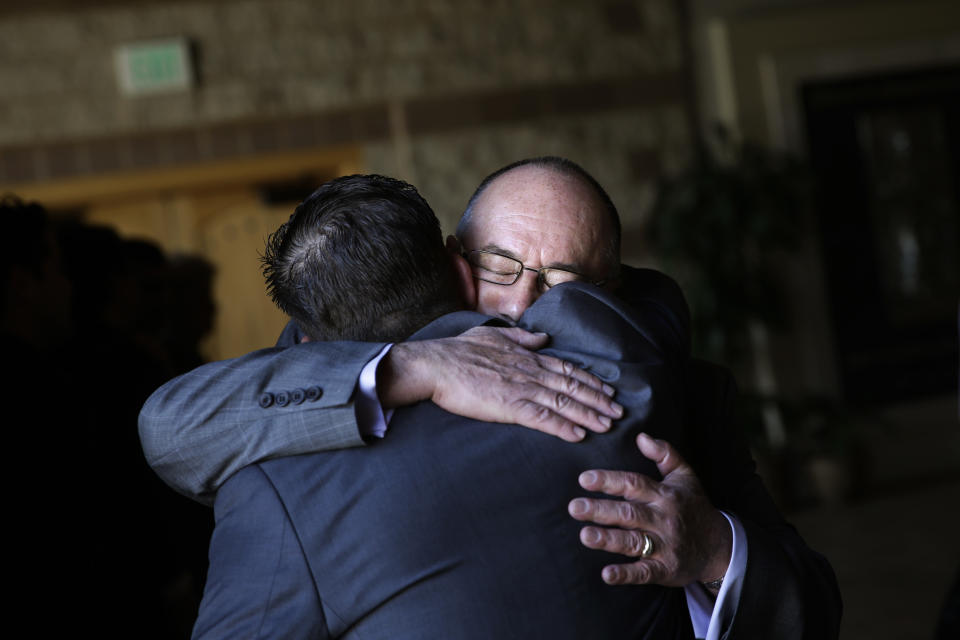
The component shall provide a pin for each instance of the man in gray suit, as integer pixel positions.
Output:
(548, 219)
(346, 543)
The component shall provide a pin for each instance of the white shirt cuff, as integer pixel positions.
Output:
(372, 420)
(711, 618)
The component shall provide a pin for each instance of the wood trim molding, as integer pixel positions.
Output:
(79, 191)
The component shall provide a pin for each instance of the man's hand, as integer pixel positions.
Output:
(491, 374)
(691, 539)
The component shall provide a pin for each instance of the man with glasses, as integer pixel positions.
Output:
(552, 219)
(535, 222)
(285, 559)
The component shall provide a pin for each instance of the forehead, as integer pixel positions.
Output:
(543, 217)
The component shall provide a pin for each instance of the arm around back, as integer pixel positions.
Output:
(202, 427)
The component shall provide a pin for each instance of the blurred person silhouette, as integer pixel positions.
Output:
(189, 310)
(35, 305)
(35, 294)
(136, 554)
(35, 302)
(83, 337)
(141, 291)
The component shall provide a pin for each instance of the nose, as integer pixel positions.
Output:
(520, 295)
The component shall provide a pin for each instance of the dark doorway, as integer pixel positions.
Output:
(885, 150)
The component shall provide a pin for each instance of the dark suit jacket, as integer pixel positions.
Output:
(452, 528)
(789, 591)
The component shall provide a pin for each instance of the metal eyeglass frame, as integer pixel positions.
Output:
(541, 279)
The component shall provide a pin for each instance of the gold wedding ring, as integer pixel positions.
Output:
(647, 549)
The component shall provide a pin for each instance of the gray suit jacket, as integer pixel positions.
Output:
(200, 428)
(203, 427)
(452, 528)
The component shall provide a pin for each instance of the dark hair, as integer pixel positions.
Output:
(362, 258)
(564, 167)
(27, 225)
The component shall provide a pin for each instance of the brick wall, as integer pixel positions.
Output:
(437, 91)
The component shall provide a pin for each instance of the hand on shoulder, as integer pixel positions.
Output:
(495, 374)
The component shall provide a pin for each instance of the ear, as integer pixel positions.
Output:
(466, 284)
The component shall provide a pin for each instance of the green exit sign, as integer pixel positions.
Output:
(154, 67)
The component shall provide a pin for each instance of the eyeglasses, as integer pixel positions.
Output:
(500, 269)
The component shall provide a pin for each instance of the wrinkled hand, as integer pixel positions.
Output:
(692, 540)
(492, 374)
